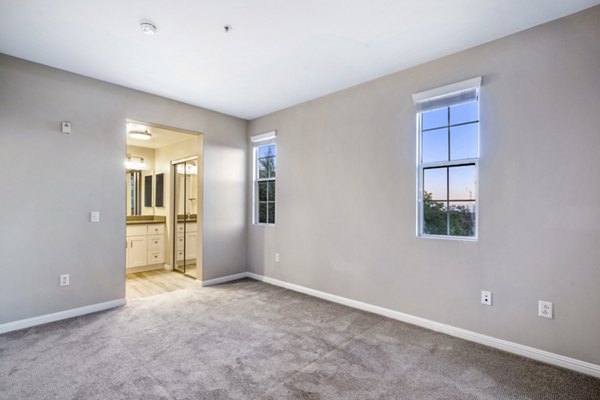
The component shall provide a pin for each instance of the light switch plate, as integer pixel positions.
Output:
(95, 216)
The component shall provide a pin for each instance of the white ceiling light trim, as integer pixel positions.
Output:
(140, 135)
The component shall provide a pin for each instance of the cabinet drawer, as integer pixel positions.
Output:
(188, 227)
(156, 229)
(156, 257)
(136, 230)
(155, 242)
(179, 255)
(179, 242)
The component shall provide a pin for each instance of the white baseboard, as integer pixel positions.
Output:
(224, 279)
(511, 347)
(57, 316)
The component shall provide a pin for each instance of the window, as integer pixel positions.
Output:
(265, 169)
(448, 156)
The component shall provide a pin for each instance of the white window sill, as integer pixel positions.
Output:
(263, 224)
(445, 237)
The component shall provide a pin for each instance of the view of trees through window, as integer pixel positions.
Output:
(441, 219)
(266, 164)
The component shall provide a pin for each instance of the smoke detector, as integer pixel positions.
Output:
(148, 27)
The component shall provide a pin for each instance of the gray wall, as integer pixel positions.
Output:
(346, 193)
(51, 181)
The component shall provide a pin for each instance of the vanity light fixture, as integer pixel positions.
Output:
(140, 135)
(136, 164)
(148, 27)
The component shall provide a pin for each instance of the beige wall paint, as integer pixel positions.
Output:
(45, 229)
(347, 180)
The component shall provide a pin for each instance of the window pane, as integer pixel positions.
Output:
(273, 167)
(435, 145)
(467, 112)
(270, 166)
(262, 168)
(262, 191)
(463, 141)
(271, 191)
(271, 213)
(435, 184)
(265, 151)
(462, 218)
(435, 218)
(435, 118)
(262, 213)
(462, 182)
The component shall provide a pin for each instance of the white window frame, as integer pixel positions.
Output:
(257, 141)
(446, 96)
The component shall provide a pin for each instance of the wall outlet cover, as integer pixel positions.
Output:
(95, 216)
(545, 309)
(486, 297)
(65, 280)
(65, 127)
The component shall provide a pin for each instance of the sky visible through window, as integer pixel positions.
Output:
(450, 134)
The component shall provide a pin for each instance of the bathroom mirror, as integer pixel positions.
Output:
(148, 191)
(140, 192)
(134, 190)
(160, 189)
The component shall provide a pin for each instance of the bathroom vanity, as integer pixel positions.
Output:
(145, 245)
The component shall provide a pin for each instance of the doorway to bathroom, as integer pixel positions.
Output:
(164, 208)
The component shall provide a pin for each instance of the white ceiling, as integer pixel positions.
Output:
(279, 53)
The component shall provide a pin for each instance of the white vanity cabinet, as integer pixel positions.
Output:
(145, 245)
(136, 251)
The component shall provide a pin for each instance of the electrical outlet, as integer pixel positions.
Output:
(486, 297)
(65, 280)
(95, 216)
(276, 257)
(65, 127)
(545, 309)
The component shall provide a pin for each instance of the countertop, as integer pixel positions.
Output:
(142, 222)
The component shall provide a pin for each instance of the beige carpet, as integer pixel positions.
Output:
(250, 340)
